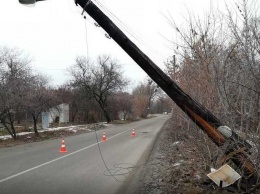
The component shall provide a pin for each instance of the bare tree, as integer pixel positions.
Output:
(162, 104)
(71, 96)
(82, 107)
(40, 98)
(143, 96)
(15, 78)
(98, 81)
(121, 103)
(245, 63)
(218, 65)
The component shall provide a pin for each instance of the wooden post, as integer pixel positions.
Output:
(199, 114)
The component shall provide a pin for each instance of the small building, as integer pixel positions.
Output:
(58, 114)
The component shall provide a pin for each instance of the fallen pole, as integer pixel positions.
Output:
(202, 117)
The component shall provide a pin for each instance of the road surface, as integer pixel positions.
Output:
(39, 168)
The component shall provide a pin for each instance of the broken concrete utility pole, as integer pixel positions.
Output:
(211, 125)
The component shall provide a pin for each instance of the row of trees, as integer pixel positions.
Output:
(95, 93)
(23, 93)
(104, 84)
(219, 65)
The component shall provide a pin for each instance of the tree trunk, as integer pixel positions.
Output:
(125, 114)
(73, 116)
(12, 125)
(107, 115)
(35, 125)
(9, 131)
(13, 130)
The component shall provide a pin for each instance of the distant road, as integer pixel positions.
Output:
(39, 168)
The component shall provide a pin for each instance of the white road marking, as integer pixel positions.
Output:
(46, 163)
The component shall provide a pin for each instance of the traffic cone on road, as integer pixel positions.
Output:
(63, 147)
(104, 137)
(133, 133)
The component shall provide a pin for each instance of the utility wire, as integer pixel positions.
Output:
(128, 29)
(107, 169)
(120, 169)
(86, 29)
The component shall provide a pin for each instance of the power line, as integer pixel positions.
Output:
(86, 37)
(130, 31)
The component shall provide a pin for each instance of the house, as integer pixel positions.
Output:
(58, 114)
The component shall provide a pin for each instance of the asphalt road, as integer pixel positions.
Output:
(39, 168)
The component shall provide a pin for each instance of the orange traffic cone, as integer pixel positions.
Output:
(133, 133)
(63, 147)
(104, 137)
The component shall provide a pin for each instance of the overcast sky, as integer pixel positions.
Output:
(54, 32)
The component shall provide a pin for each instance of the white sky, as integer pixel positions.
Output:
(53, 32)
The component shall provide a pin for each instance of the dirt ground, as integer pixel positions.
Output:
(175, 166)
(22, 139)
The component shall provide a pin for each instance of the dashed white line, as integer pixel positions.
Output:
(46, 163)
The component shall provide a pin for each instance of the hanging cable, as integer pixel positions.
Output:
(89, 1)
(128, 29)
(104, 162)
(86, 38)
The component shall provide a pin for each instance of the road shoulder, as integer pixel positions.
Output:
(143, 176)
